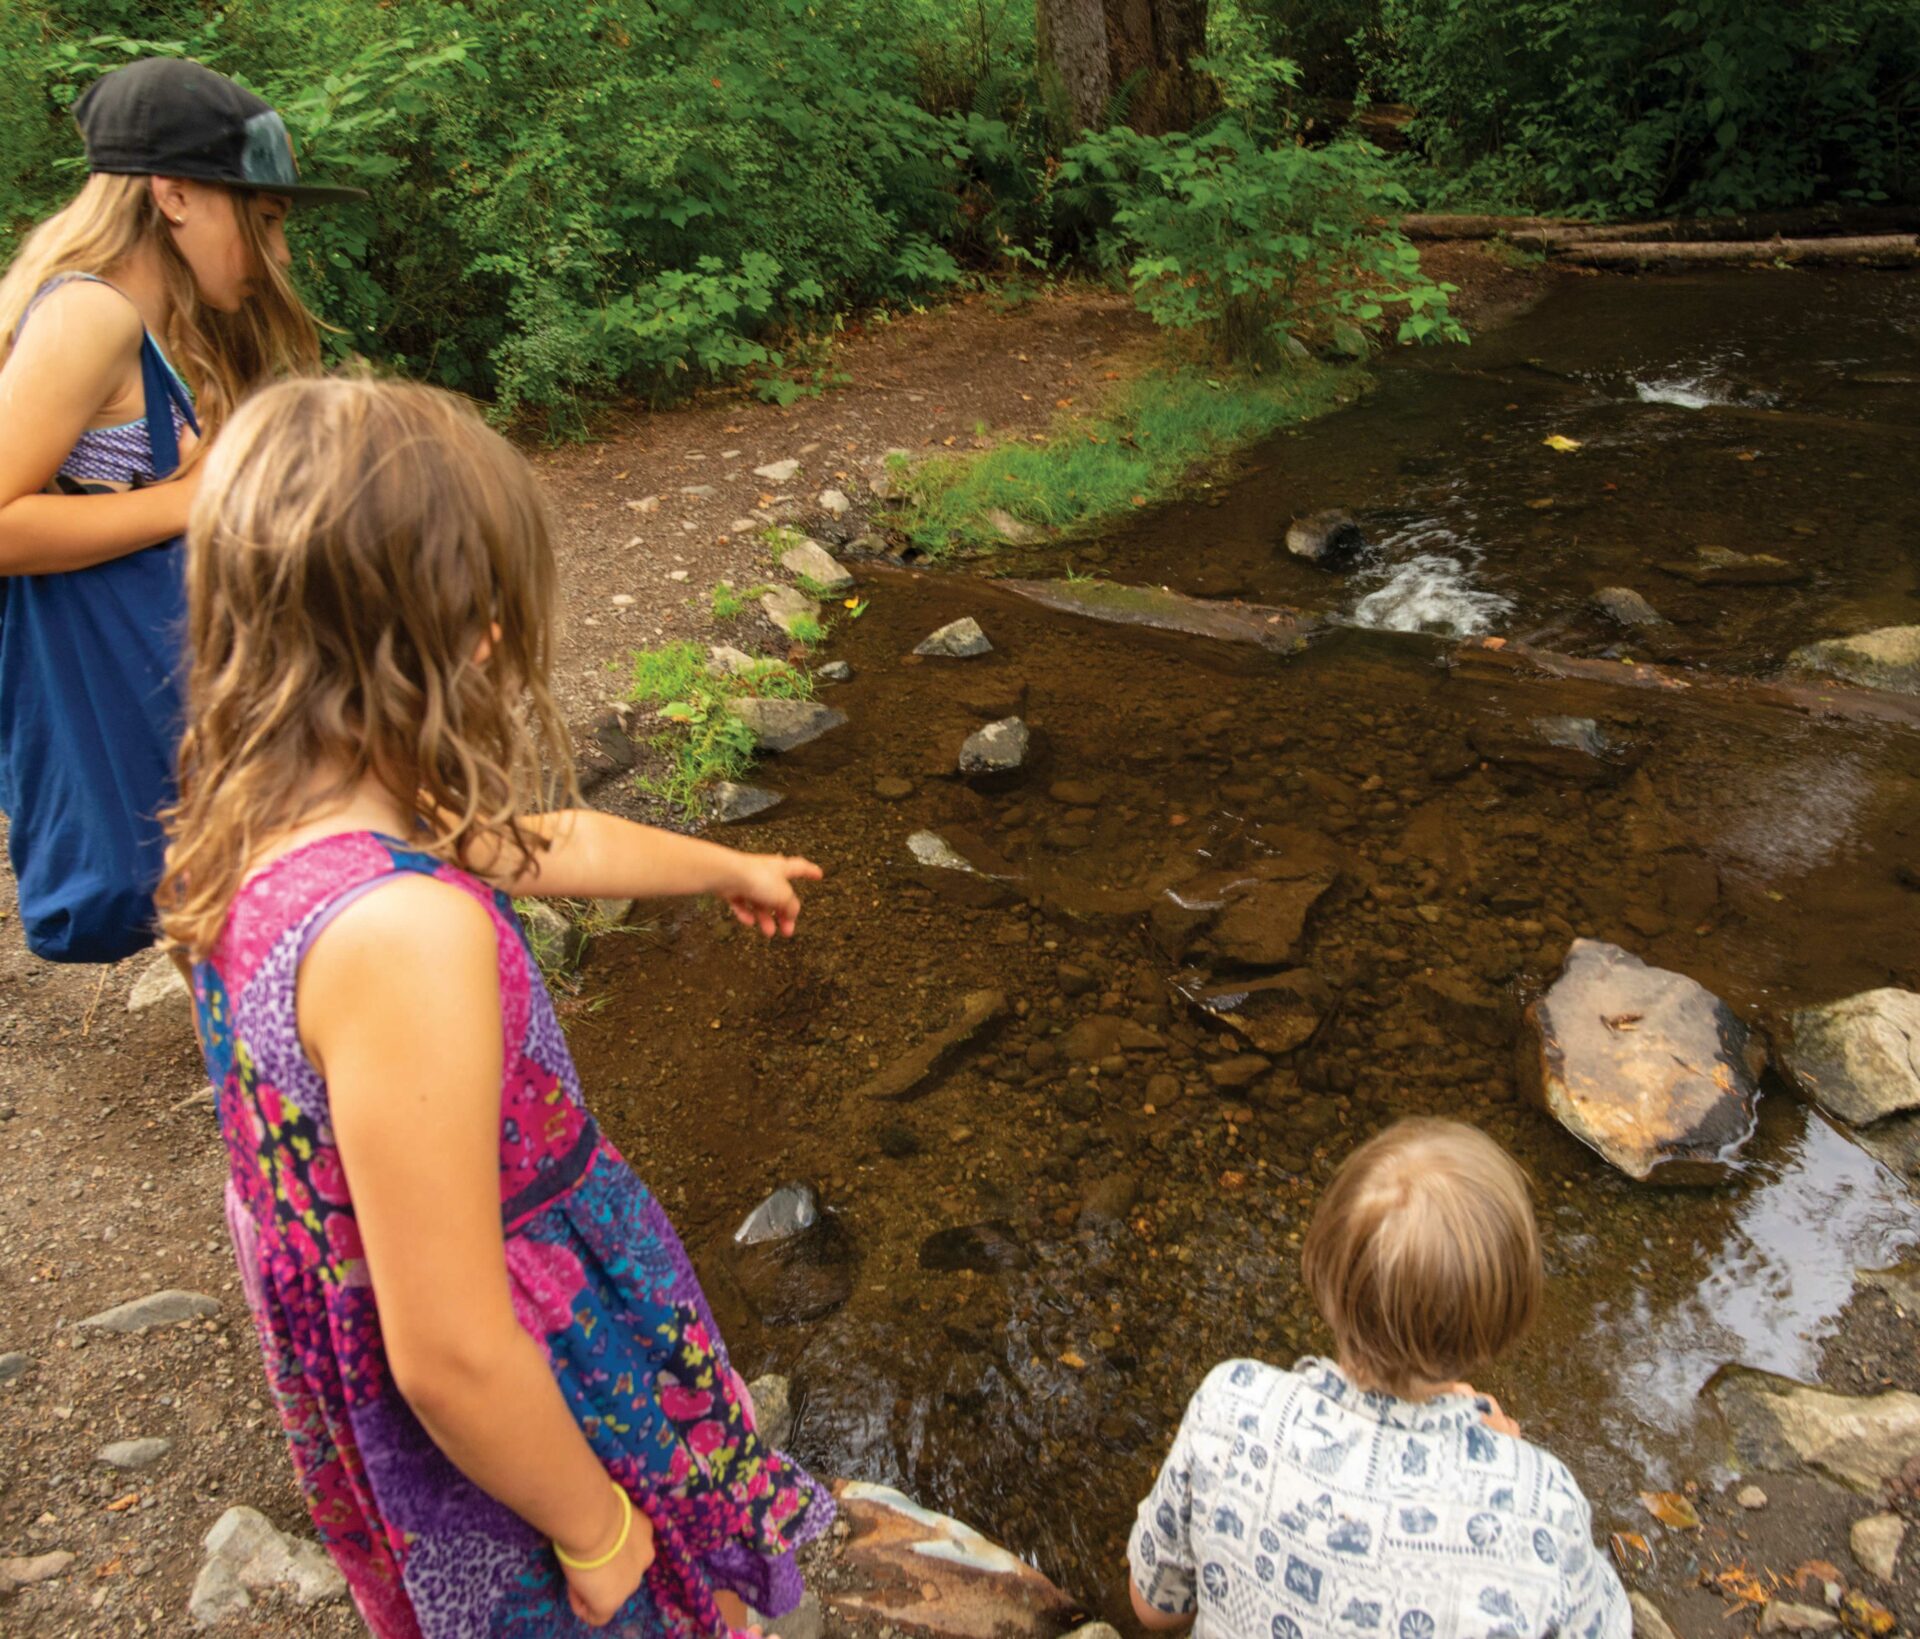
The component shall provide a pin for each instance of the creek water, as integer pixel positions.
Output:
(1142, 1223)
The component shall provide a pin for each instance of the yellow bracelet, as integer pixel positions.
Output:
(613, 1553)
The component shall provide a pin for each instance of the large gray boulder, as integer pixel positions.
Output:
(1885, 659)
(1643, 1065)
(999, 748)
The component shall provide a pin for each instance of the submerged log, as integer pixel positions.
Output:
(1496, 657)
(1440, 225)
(1545, 232)
(1874, 250)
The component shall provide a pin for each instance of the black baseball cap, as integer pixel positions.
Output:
(165, 116)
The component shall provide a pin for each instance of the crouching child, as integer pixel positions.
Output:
(1378, 1493)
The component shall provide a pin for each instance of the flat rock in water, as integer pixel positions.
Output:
(1720, 566)
(1885, 659)
(160, 981)
(1264, 923)
(1645, 1066)
(1277, 1014)
(1626, 607)
(729, 804)
(783, 725)
(1267, 627)
(911, 1074)
(834, 671)
(247, 1555)
(156, 1309)
(792, 1262)
(1862, 1441)
(788, 607)
(932, 1577)
(984, 1248)
(1327, 540)
(1858, 1059)
(999, 748)
(1559, 748)
(960, 639)
(811, 561)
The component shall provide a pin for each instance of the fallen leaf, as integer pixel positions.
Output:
(1630, 1550)
(1670, 1509)
(1074, 1359)
(1811, 1576)
(1748, 455)
(120, 1505)
(1540, 505)
(1560, 442)
(1862, 1615)
(1233, 1180)
(1063, 404)
(1138, 500)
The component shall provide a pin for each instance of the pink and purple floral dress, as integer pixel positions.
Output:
(599, 1279)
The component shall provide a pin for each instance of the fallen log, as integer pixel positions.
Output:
(1493, 658)
(1441, 226)
(1873, 250)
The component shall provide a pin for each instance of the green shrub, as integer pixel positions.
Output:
(1249, 243)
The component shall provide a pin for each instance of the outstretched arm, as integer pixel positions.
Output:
(399, 1007)
(596, 856)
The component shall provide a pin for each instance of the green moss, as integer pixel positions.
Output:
(1140, 448)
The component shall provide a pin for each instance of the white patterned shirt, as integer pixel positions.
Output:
(1295, 1506)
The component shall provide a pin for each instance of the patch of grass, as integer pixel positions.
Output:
(729, 602)
(805, 629)
(702, 737)
(1508, 254)
(1139, 448)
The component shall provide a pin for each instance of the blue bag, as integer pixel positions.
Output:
(91, 673)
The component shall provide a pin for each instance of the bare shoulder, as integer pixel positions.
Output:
(413, 932)
(89, 314)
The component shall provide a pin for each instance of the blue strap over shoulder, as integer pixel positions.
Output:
(91, 664)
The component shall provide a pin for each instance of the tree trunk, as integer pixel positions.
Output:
(1129, 59)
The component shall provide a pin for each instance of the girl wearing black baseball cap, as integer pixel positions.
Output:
(132, 323)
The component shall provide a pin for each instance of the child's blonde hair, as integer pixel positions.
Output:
(370, 588)
(1423, 1256)
(222, 356)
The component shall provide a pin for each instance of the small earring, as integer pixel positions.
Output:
(177, 221)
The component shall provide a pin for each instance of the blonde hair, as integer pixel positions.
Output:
(1423, 1256)
(222, 356)
(370, 587)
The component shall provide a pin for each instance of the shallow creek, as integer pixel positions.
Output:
(1146, 1223)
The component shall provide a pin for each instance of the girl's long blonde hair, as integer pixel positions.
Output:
(370, 587)
(222, 356)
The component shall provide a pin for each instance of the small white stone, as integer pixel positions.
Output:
(1876, 1541)
(834, 501)
(731, 455)
(160, 981)
(1750, 1497)
(777, 472)
(676, 574)
(646, 503)
(621, 600)
(135, 1453)
(743, 526)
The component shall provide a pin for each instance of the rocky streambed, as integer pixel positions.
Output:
(1142, 910)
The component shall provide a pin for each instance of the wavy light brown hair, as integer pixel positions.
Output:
(370, 588)
(222, 356)
(1423, 1256)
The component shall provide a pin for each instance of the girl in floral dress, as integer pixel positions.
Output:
(506, 1399)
